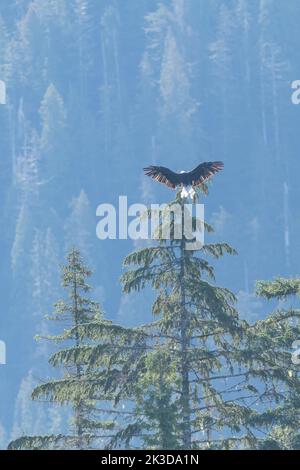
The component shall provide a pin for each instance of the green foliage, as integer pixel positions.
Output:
(192, 338)
(223, 383)
(196, 377)
(84, 365)
(280, 288)
(276, 335)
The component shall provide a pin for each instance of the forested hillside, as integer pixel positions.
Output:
(99, 89)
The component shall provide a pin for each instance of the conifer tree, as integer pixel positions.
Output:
(98, 359)
(222, 384)
(194, 318)
(74, 387)
(280, 332)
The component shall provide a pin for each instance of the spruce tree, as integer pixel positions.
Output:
(219, 376)
(280, 332)
(73, 388)
(195, 321)
(98, 359)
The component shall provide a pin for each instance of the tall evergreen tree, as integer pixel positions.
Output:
(195, 319)
(98, 359)
(220, 384)
(72, 388)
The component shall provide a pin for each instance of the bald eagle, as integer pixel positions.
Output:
(187, 180)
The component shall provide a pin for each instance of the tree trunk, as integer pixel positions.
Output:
(185, 343)
(78, 406)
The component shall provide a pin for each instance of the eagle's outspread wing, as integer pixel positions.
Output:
(163, 175)
(192, 178)
(204, 171)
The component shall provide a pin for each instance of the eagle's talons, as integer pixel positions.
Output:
(188, 193)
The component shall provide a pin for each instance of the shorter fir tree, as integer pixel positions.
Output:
(80, 386)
